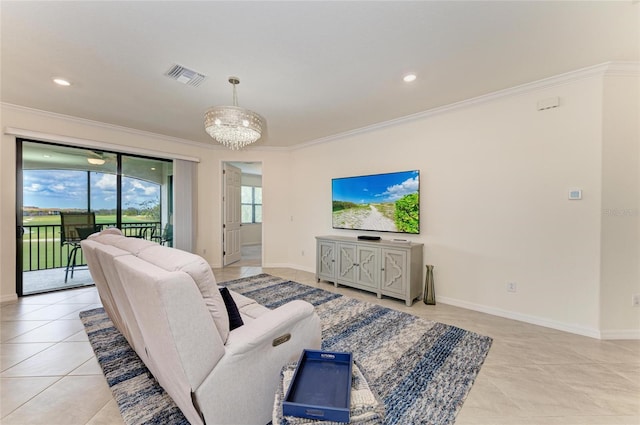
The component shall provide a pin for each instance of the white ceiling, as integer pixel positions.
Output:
(313, 69)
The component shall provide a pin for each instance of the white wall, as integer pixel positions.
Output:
(495, 174)
(620, 256)
(209, 210)
(495, 177)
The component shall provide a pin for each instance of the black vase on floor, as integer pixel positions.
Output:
(429, 293)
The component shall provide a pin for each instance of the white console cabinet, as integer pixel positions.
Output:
(384, 267)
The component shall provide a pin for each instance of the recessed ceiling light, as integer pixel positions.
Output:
(409, 78)
(61, 82)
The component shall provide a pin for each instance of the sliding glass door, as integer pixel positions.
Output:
(146, 197)
(124, 191)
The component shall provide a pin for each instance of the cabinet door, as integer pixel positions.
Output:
(347, 264)
(394, 271)
(326, 260)
(368, 266)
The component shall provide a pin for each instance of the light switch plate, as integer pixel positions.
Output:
(575, 194)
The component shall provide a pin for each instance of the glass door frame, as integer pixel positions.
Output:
(119, 195)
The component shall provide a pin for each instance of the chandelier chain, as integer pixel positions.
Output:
(235, 95)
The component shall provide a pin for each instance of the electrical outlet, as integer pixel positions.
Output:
(635, 300)
(512, 287)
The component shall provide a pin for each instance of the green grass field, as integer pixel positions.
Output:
(47, 220)
(41, 246)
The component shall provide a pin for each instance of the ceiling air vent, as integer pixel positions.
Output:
(185, 75)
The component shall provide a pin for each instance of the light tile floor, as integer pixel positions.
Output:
(251, 257)
(38, 281)
(532, 375)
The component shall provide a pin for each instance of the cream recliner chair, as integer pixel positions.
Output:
(167, 304)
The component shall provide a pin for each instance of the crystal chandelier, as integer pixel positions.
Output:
(233, 126)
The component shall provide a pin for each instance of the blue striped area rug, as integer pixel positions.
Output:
(140, 398)
(422, 370)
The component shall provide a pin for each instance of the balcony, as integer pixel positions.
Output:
(44, 259)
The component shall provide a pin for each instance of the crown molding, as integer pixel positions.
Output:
(600, 70)
(128, 130)
(631, 69)
(105, 126)
(618, 68)
(89, 143)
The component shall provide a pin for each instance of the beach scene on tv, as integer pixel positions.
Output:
(382, 202)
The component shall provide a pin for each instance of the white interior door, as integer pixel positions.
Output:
(232, 214)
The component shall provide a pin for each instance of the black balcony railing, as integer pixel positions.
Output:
(42, 248)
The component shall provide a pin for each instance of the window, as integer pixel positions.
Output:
(125, 191)
(251, 204)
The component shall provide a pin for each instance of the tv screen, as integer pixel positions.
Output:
(382, 202)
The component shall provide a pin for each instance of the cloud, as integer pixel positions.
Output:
(107, 183)
(68, 189)
(33, 187)
(146, 190)
(395, 192)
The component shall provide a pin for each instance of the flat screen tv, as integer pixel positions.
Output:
(380, 202)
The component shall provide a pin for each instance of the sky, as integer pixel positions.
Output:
(68, 189)
(376, 188)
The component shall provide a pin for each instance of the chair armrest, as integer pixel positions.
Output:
(240, 388)
(269, 329)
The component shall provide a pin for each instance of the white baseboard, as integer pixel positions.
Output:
(8, 298)
(311, 270)
(620, 334)
(251, 243)
(534, 320)
(280, 266)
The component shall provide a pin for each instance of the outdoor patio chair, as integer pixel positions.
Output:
(76, 226)
(166, 237)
